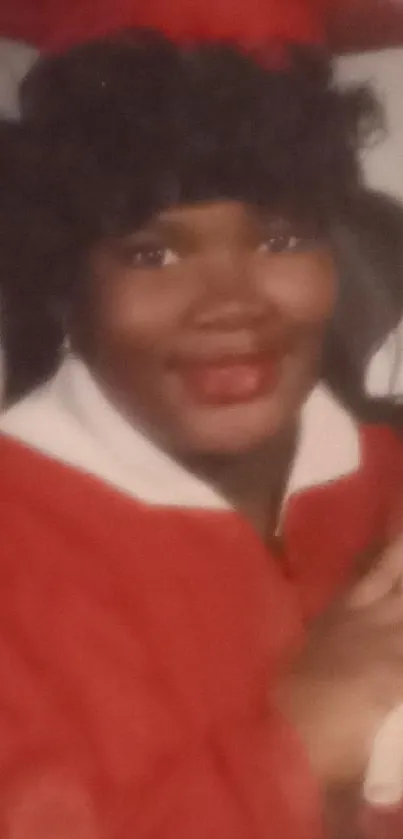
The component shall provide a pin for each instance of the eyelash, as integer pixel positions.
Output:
(283, 243)
(148, 256)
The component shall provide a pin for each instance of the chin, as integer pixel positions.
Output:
(231, 430)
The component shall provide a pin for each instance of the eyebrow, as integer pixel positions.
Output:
(173, 227)
(175, 231)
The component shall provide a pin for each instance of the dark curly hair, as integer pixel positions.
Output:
(114, 131)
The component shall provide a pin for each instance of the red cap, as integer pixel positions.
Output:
(251, 24)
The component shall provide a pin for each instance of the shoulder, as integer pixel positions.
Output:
(27, 472)
(43, 500)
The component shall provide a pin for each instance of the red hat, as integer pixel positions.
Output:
(251, 24)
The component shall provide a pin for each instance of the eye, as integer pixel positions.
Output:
(150, 256)
(283, 243)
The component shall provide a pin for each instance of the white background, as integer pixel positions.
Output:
(384, 162)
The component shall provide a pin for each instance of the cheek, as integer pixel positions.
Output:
(305, 289)
(141, 310)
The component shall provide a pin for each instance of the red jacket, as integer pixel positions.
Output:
(138, 644)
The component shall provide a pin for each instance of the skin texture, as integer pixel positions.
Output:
(208, 284)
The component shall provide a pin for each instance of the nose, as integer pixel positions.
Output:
(231, 295)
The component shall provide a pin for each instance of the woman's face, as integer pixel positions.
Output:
(206, 327)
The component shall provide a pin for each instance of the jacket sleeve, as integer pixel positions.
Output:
(92, 739)
(243, 782)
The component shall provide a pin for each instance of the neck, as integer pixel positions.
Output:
(253, 482)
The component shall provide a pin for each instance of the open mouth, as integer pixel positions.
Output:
(231, 380)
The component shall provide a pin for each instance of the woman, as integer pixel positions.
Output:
(180, 496)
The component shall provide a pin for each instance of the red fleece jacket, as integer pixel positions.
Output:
(138, 646)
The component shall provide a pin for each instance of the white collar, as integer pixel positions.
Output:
(70, 420)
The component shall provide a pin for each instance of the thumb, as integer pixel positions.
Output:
(385, 577)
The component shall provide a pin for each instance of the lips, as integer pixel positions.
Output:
(229, 381)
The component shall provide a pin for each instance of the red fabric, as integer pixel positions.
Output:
(138, 646)
(348, 24)
(24, 20)
(382, 823)
(355, 25)
(55, 24)
(250, 25)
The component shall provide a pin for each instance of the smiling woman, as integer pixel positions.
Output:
(210, 307)
(181, 492)
(230, 132)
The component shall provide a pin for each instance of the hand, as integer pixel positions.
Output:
(345, 681)
(385, 576)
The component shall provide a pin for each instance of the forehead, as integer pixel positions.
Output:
(218, 218)
(210, 216)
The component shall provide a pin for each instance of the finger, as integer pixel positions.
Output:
(384, 578)
(392, 560)
(395, 519)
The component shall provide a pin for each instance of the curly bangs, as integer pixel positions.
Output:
(129, 126)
